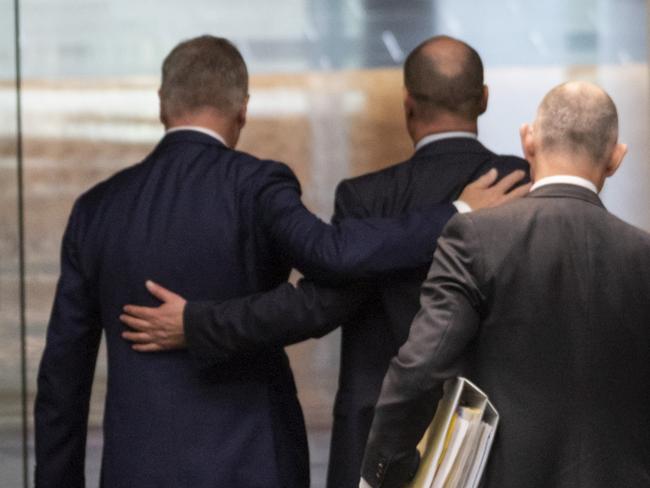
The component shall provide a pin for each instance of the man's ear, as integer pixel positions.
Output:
(528, 142)
(484, 99)
(409, 105)
(161, 112)
(241, 116)
(615, 160)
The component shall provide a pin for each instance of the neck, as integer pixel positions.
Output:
(225, 127)
(559, 165)
(419, 129)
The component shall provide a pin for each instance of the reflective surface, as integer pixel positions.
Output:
(325, 98)
(11, 444)
(118, 37)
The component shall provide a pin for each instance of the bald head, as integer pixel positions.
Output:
(445, 74)
(578, 118)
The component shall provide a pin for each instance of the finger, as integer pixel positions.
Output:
(509, 180)
(140, 312)
(518, 192)
(135, 323)
(138, 337)
(151, 347)
(486, 180)
(160, 292)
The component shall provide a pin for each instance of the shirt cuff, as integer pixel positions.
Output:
(462, 206)
(364, 484)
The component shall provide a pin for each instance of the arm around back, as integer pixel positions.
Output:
(285, 315)
(350, 248)
(280, 317)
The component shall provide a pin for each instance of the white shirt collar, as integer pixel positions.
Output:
(443, 135)
(567, 180)
(203, 130)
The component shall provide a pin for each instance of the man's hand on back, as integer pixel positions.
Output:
(161, 328)
(484, 192)
(156, 328)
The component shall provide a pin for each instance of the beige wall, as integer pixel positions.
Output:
(326, 126)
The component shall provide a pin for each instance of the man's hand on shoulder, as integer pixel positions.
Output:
(484, 192)
(156, 328)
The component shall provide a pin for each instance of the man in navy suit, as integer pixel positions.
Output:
(444, 96)
(212, 223)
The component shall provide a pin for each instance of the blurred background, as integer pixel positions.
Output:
(78, 81)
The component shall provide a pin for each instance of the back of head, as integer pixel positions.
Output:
(204, 72)
(445, 74)
(578, 119)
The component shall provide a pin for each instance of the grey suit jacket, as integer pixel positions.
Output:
(544, 303)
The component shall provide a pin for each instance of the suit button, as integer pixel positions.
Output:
(380, 471)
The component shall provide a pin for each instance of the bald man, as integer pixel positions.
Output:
(444, 96)
(544, 304)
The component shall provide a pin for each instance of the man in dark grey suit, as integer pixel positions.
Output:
(444, 96)
(544, 304)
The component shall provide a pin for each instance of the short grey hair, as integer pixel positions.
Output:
(578, 117)
(206, 71)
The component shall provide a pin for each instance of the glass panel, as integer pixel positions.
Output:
(326, 97)
(11, 439)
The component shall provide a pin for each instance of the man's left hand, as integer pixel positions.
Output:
(156, 328)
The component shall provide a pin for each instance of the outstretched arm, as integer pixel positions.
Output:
(285, 315)
(359, 248)
(216, 332)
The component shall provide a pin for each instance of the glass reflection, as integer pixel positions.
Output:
(325, 98)
(11, 438)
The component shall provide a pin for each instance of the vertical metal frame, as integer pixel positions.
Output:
(21, 245)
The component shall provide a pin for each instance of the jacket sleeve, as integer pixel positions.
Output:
(285, 315)
(350, 248)
(66, 373)
(451, 299)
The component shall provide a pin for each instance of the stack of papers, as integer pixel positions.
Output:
(455, 448)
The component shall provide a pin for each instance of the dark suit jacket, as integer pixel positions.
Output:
(211, 223)
(376, 313)
(544, 304)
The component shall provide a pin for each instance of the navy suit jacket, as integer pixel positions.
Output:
(437, 173)
(376, 314)
(211, 223)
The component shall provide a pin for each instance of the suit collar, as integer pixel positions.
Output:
(190, 136)
(438, 136)
(197, 128)
(566, 190)
(570, 179)
(451, 145)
